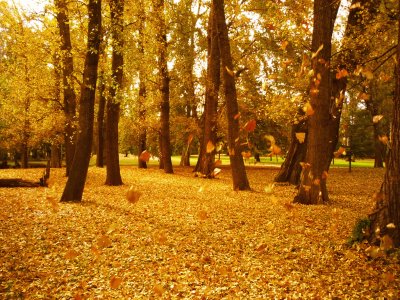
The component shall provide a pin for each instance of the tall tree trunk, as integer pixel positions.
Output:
(67, 71)
(291, 169)
(164, 87)
(313, 188)
(100, 122)
(113, 104)
(239, 176)
(388, 203)
(73, 190)
(55, 158)
(142, 144)
(206, 159)
(24, 155)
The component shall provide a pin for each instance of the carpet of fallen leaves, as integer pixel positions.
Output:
(189, 238)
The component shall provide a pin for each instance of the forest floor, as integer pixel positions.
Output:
(189, 238)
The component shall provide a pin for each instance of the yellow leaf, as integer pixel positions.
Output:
(284, 44)
(270, 225)
(367, 74)
(377, 118)
(386, 243)
(390, 226)
(308, 109)
(202, 215)
(314, 55)
(132, 195)
(261, 247)
(301, 136)
(230, 72)
(269, 188)
(71, 254)
(210, 147)
(158, 289)
(104, 242)
(115, 282)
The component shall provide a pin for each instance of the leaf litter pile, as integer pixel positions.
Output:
(177, 236)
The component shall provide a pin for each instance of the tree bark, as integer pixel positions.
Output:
(313, 188)
(388, 203)
(73, 190)
(142, 144)
(100, 122)
(113, 104)
(291, 169)
(164, 88)
(55, 159)
(239, 176)
(206, 160)
(67, 71)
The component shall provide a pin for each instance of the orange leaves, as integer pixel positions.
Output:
(115, 282)
(71, 254)
(210, 147)
(145, 156)
(308, 109)
(383, 139)
(250, 126)
(342, 73)
(202, 215)
(104, 242)
(377, 118)
(133, 196)
(339, 152)
(301, 136)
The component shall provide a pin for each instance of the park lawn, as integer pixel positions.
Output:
(131, 160)
(189, 238)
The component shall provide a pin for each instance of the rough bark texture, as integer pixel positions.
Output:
(164, 88)
(100, 122)
(113, 104)
(67, 74)
(313, 188)
(291, 169)
(142, 144)
(239, 176)
(73, 190)
(206, 160)
(388, 203)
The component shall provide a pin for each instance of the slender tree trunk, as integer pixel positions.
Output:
(24, 156)
(113, 104)
(205, 163)
(142, 145)
(164, 87)
(313, 188)
(388, 202)
(73, 190)
(239, 176)
(100, 122)
(67, 71)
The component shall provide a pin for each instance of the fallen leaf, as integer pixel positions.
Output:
(71, 254)
(115, 282)
(132, 195)
(158, 289)
(104, 242)
(202, 215)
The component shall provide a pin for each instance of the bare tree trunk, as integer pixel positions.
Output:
(388, 203)
(113, 104)
(73, 190)
(239, 176)
(164, 87)
(67, 71)
(55, 159)
(313, 188)
(206, 160)
(100, 122)
(142, 145)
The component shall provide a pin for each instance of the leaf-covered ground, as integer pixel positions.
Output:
(189, 238)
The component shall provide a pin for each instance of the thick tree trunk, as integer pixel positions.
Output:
(206, 160)
(55, 158)
(239, 176)
(100, 122)
(291, 169)
(164, 88)
(69, 91)
(313, 188)
(73, 190)
(388, 203)
(113, 105)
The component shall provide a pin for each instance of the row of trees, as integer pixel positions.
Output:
(268, 64)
